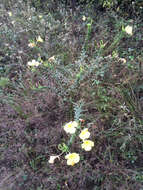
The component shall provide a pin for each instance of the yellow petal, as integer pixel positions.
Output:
(39, 39)
(71, 127)
(85, 134)
(72, 158)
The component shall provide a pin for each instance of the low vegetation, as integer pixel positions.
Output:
(71, 96)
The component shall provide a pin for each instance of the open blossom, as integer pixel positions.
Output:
(87, 145)
(71, 127)
(85, 134)
(39, 39)
(52, 159)
(72, 158)
(129, 30)
(33, 63)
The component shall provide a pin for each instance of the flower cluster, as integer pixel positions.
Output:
(73, 128)
(33, 43)
(87, 144)
(33, 63)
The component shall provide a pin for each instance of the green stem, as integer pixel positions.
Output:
(71, 140)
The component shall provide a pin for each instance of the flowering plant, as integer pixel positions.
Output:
(33, 63)
(39, 39)
(71, 127)
(87, 145)
(72, 158)
(74, 129)
(129, 30)
(85, 134)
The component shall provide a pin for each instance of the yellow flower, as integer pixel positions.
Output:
(87, 145)
(71, 127)
(32, 44)
(72, 158)
(33, 63)
(52, 159)
(10, 13)
(85, 134)
(39, 39)
(129, 30)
